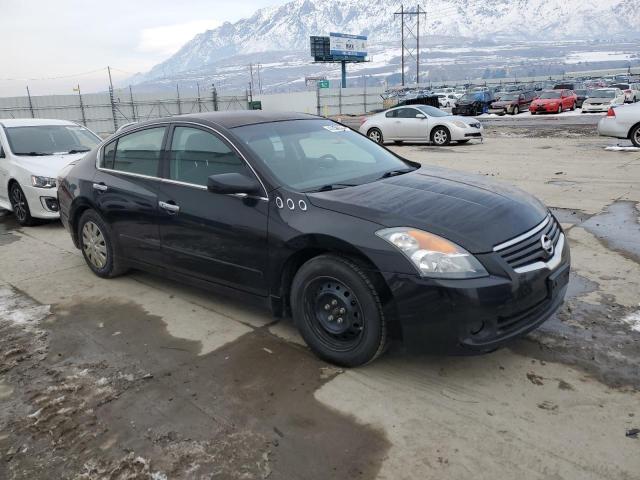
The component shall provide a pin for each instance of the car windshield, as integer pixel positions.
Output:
(432, 111)
(550, 95)
(468, 97)
(602, 93)
(312, 155)
(50, 139)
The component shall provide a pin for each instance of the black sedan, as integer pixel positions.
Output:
(317, 221)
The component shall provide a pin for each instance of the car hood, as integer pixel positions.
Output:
(469, 210)
(599, 100)
(47, 165)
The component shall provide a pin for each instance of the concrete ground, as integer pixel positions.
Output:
(142, 377)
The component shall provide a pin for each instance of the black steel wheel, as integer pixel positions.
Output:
(338, 311)
(376, 135)
(20, 206)
(98, 249)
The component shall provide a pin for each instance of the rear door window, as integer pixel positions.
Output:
(138, 152)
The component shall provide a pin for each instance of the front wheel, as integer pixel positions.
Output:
(516, 110)
(634, 136)
(338, 311)
(20, 206)
(376, 135)
(98, 248)
(440, 136)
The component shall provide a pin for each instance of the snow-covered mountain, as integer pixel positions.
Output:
(286, 28)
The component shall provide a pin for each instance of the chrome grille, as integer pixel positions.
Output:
(527, 249)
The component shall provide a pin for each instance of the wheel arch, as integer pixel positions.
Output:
(314, 246)
(436, 126)
(635, 125)
(78, 207)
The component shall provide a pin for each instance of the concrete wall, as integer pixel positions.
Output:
(305, 102)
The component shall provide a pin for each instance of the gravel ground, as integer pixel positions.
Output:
(144, 378)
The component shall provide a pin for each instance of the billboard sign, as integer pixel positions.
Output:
(345, 45)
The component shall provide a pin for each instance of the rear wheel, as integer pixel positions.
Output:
(376, 135)
(440, 136)
(20, 206)
(98, 248)
(516, 110)
(338, 311)
(634, 136)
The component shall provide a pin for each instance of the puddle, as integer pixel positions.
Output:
(7, 226)
(618, 229)
(246, 410)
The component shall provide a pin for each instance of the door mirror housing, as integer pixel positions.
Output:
(421, 115)
(232, 183)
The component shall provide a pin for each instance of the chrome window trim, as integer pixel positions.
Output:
(524, 236)
(168, 180)
(550, 264)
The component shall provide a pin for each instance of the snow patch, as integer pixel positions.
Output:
(633, 320)
(20, 310)
(618, 148)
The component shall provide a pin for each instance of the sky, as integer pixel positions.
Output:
(44, 40)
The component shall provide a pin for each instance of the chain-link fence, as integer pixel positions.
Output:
(105, 112)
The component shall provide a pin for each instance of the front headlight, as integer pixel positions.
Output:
(43, 182)
(432, 255)
(460, 124)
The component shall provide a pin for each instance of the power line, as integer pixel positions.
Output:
(60, 77)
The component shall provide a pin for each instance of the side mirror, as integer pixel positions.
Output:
(232, 183)
(421, 116)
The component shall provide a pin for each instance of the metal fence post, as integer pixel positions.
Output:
(214, 94)
(179, 106)
(199, 104)
(340, 101)
(30, 103)
(113, 109)
(133, 105)
(318, 99)
(84, 118)
(364, 96)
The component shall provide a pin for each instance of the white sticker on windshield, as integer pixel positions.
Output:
(336, 128)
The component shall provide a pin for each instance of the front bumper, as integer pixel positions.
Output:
(476, 315)
(464, 110)
(546, 108)
(589, 108)
(43, 202)
(468, 133)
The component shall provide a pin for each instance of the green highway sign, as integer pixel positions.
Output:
(323, 84)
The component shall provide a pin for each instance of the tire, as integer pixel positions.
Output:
(634, 135)
(440, 137)
(97, 245)
(516, 110)
(328, 286)
(573, 106)
(376, 135)
(20, 206)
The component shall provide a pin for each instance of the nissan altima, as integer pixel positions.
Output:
(316, 221)
(420, 123)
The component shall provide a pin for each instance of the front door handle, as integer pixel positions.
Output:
(100, 186)
(172, 208)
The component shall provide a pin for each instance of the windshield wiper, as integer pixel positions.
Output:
(78, 151)
(33, 154)
(393, 173)
(332, 186)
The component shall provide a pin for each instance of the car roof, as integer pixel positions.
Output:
(235, 118)
(33, 122)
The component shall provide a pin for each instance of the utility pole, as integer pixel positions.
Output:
(251, 76)
(410, 38)
(199, 104)
(259, 78)
(30, 103)
(113, 104)
(214, 97)
(178, 93)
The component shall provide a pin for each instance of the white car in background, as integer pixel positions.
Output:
(622, 122)
(631, 91)
(32, 152)
(601, 99)
(446, 100)
(421, 123)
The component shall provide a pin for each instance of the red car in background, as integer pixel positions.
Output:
(554, 101)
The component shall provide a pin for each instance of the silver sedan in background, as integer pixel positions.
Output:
(419, 123)
(622, 122)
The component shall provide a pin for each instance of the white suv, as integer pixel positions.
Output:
(32, 152)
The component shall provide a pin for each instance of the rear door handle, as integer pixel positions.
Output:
(100, 186)
(172, 208)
